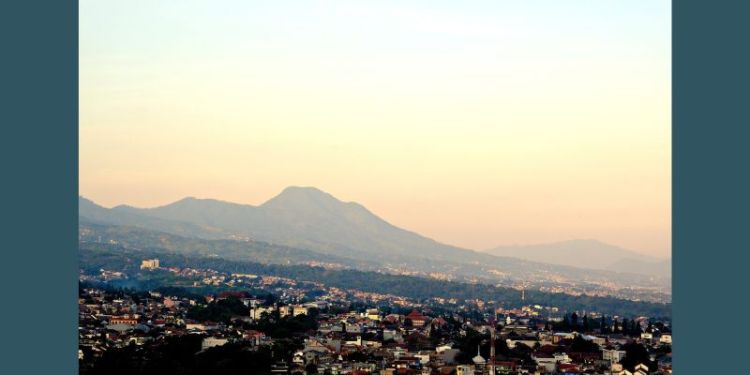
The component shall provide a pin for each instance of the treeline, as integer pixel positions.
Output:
(182, 356)
(96, 256)
(604, 324)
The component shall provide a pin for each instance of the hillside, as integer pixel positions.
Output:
(309, 219)
(94, 257)
(588, 254)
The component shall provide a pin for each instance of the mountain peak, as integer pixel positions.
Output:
(310, 190)
(300, 197)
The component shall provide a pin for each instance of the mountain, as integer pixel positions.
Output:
(91, 213)
(302, 217)
(310, 219)
(588, 254)
(660, 267)
(142, 239)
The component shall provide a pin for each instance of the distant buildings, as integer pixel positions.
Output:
(379, 335)
(150, 264)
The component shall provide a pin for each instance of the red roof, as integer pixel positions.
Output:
(416, 315)
(567, 367)
(232, 294)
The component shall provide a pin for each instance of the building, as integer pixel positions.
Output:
(613, 355)
(210, 342)
(373, 314)
(257, 313)
(417, 319)
(464, 370)
(292, 310)
(150, 264)
(123, 320)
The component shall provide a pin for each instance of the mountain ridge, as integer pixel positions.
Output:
(306, 218)
(587, 253)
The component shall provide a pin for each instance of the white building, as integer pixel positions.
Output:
(292, 310)
(210, 342)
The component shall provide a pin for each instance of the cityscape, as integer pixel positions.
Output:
(374, 188)
(264, 324)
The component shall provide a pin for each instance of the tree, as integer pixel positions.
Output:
(634, 354)
(574, 321)
(311, 368)
(586, 326)
(565, 326)
(634, 329)
(579, 344)
(435, 335)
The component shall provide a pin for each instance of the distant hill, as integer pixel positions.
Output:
(660, 267)
(300, 217)
(588, 254)
(91, 213)
(142, 239)
(310, 219)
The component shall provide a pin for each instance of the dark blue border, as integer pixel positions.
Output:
(711, 184)
(39, 153)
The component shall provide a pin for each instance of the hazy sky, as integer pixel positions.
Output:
(476, 123)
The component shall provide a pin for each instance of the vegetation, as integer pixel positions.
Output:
(218, 311)
(95, 256)
(181, 356)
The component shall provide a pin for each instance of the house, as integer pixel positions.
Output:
(613, 355)
(254, 337)
(568, 368)
(373, 314)
(504, 367)
(547, 361)
(640, 369)
(210, 342)
(126, 320)
(417, 319)
(257, 312)
(464, 370)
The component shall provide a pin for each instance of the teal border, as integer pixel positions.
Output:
(39, 155)
(711, 184)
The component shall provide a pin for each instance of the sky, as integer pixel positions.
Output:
(476, 123)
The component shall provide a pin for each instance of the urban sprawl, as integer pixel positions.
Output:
(256, 324)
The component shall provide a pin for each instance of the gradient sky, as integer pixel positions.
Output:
(476, 123)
